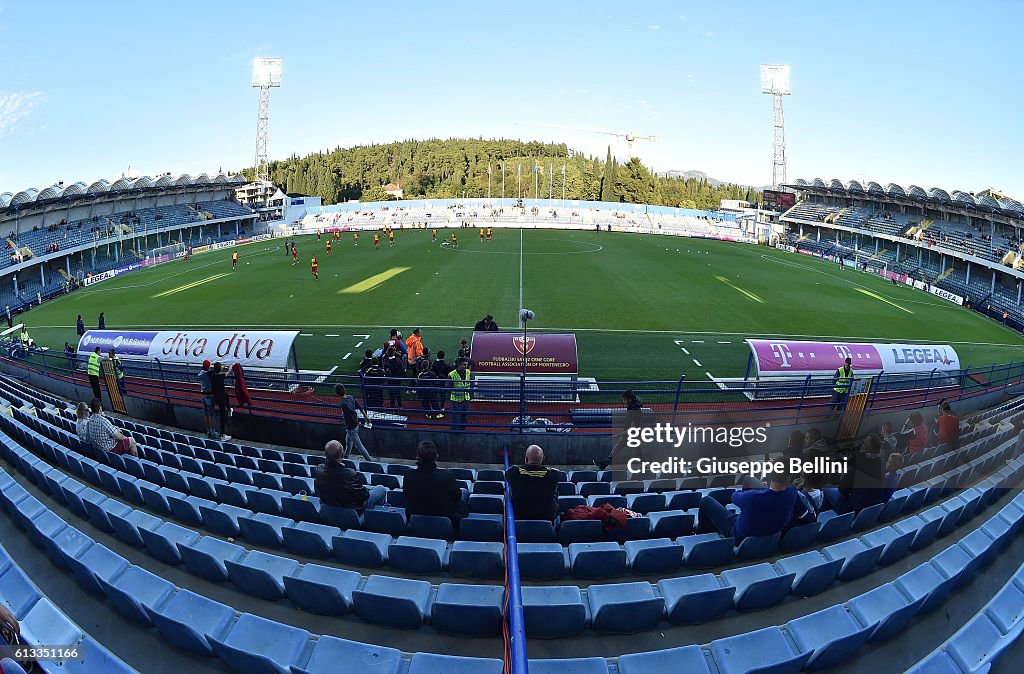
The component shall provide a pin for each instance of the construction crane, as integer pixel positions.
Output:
(628, 135)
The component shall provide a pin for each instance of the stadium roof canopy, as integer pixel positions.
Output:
(984, 202)
(122, 186)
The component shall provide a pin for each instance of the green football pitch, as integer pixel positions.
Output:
(642, 307)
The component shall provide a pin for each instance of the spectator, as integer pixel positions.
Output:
(427, 391)
(947, 426)
(80, 327)
(430, 490)
(104, 437)
(93, 370)
(206, 393)
(809, 500)
(372, 377)
(861, 485)
(534, 487)
(763, 511)
(69, 353)
(394, 368)
(82, 422)
(340, 486)
(413, 350)
(816, 444)
(366, 362)
(118, 370)
(460, 394)
(891, 479)
(349, 408)
(890, 440)
(795, 447)
(8, 623)
(633, 419)
(486, 324)
(463, 353)
(916, 433)
(841, 385)
(218, 381)
(102, 322)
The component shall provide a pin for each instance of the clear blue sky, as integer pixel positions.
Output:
(920, 92)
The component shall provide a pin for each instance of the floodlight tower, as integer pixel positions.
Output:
(775, 82)
(266, 75)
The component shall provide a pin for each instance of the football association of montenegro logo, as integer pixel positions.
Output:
(524, 345)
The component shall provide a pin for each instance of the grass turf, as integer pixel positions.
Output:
(628, 297)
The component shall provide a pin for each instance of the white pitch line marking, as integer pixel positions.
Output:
(363, 336)
(345, 357)
(725, 342)
(359, 344)
(305, 334)
(710, 376)
(332, 335)
(685, 351)
(698, 341)
(697, 363)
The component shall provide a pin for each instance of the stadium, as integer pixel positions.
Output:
(251, 421)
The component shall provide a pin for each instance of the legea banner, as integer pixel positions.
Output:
(787, 358)
(251, 348)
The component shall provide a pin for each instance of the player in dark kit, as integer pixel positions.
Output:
(315, 274)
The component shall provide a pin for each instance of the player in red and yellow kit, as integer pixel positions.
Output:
(337, 235)
(435, 236)
(329, 247)
(295, 255)
(481, 235)
(355, 238)
(315, 274)
(318, 236)
(391, 237)
(455, 240)
(234, 259)
(488, 233)
(376, 241)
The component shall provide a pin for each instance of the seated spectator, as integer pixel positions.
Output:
(795, 447)
(534, 487)
(861, 485)
(809, 500)
(430, 490)
(890, 441)
(816, 445)
(891, 479)
(947, 426)
(338, 485)
(763, 511)
(82, 422)
(104, 437)
(916, 433)
(8, 624)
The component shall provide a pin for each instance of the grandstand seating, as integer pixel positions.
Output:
(146, 509)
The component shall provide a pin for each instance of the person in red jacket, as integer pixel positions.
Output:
(947, 426)
(915, 429)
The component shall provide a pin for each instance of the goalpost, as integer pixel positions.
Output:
(171, 251)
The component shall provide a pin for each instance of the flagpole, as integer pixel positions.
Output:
(551, 178)
(519, 181)
(488, 181)
(563, 185)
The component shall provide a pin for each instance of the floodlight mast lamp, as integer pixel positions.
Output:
(775, 81)
(266, 75)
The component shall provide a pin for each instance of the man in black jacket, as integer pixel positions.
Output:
(373, 392)
(430, 490)
(441, 369)
(486, 324)
(534, 487)
(340, 486)
(862, 484)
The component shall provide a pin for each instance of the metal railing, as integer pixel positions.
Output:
(516, 406)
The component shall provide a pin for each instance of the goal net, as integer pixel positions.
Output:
(166, 253)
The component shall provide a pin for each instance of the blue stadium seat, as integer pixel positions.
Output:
(17, 592)
(866, 518)
(624, 608)
(541, 561)
(597, 560)
(924, 530)
(569, 666)
(418, 555)
(222, 519)
(97, 562)
(758, 586)
(924, 581)
(127, 526)
(190, 620)
(580, 531)
(385, 521)
(261, 574)
(431, 663)
(657, 555)
(46, 624)
(206, 557)
(832, 634)
(598, 500)
(857, 557)
(258, 645)
(569, 501)
(682, 500)
(309, 509)
(764, 650)
(553, 611)
(977, 643)
(472, 559)
(309, 539)
(343, 518)
(1006, 609)
(329, 651)
(695, 599)
(885, 610)
(482, 528)
(979, 544)
(134, 589)
(162, 542)
(361, 548)
(897, 545)
(955, 562)
(69, 543)
(263, 529)
(393, 602)
(689, 659)
(431, 526)
(833, 526)
(757, 547)
(535, 531)
(645, 503)
(486, 503)
(323, 590)
(468, 610)
(266, 500)
(671, 523)
(637, 528)
(8, 666)
(813, 573)
(706, 551)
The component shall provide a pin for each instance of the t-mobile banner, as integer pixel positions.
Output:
(784, 358)
(503, 352)
(260, 348)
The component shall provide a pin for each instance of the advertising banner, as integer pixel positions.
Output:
(259, 348)
(502, 352)
(111, 273)
(787, 358)
(946, 295)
